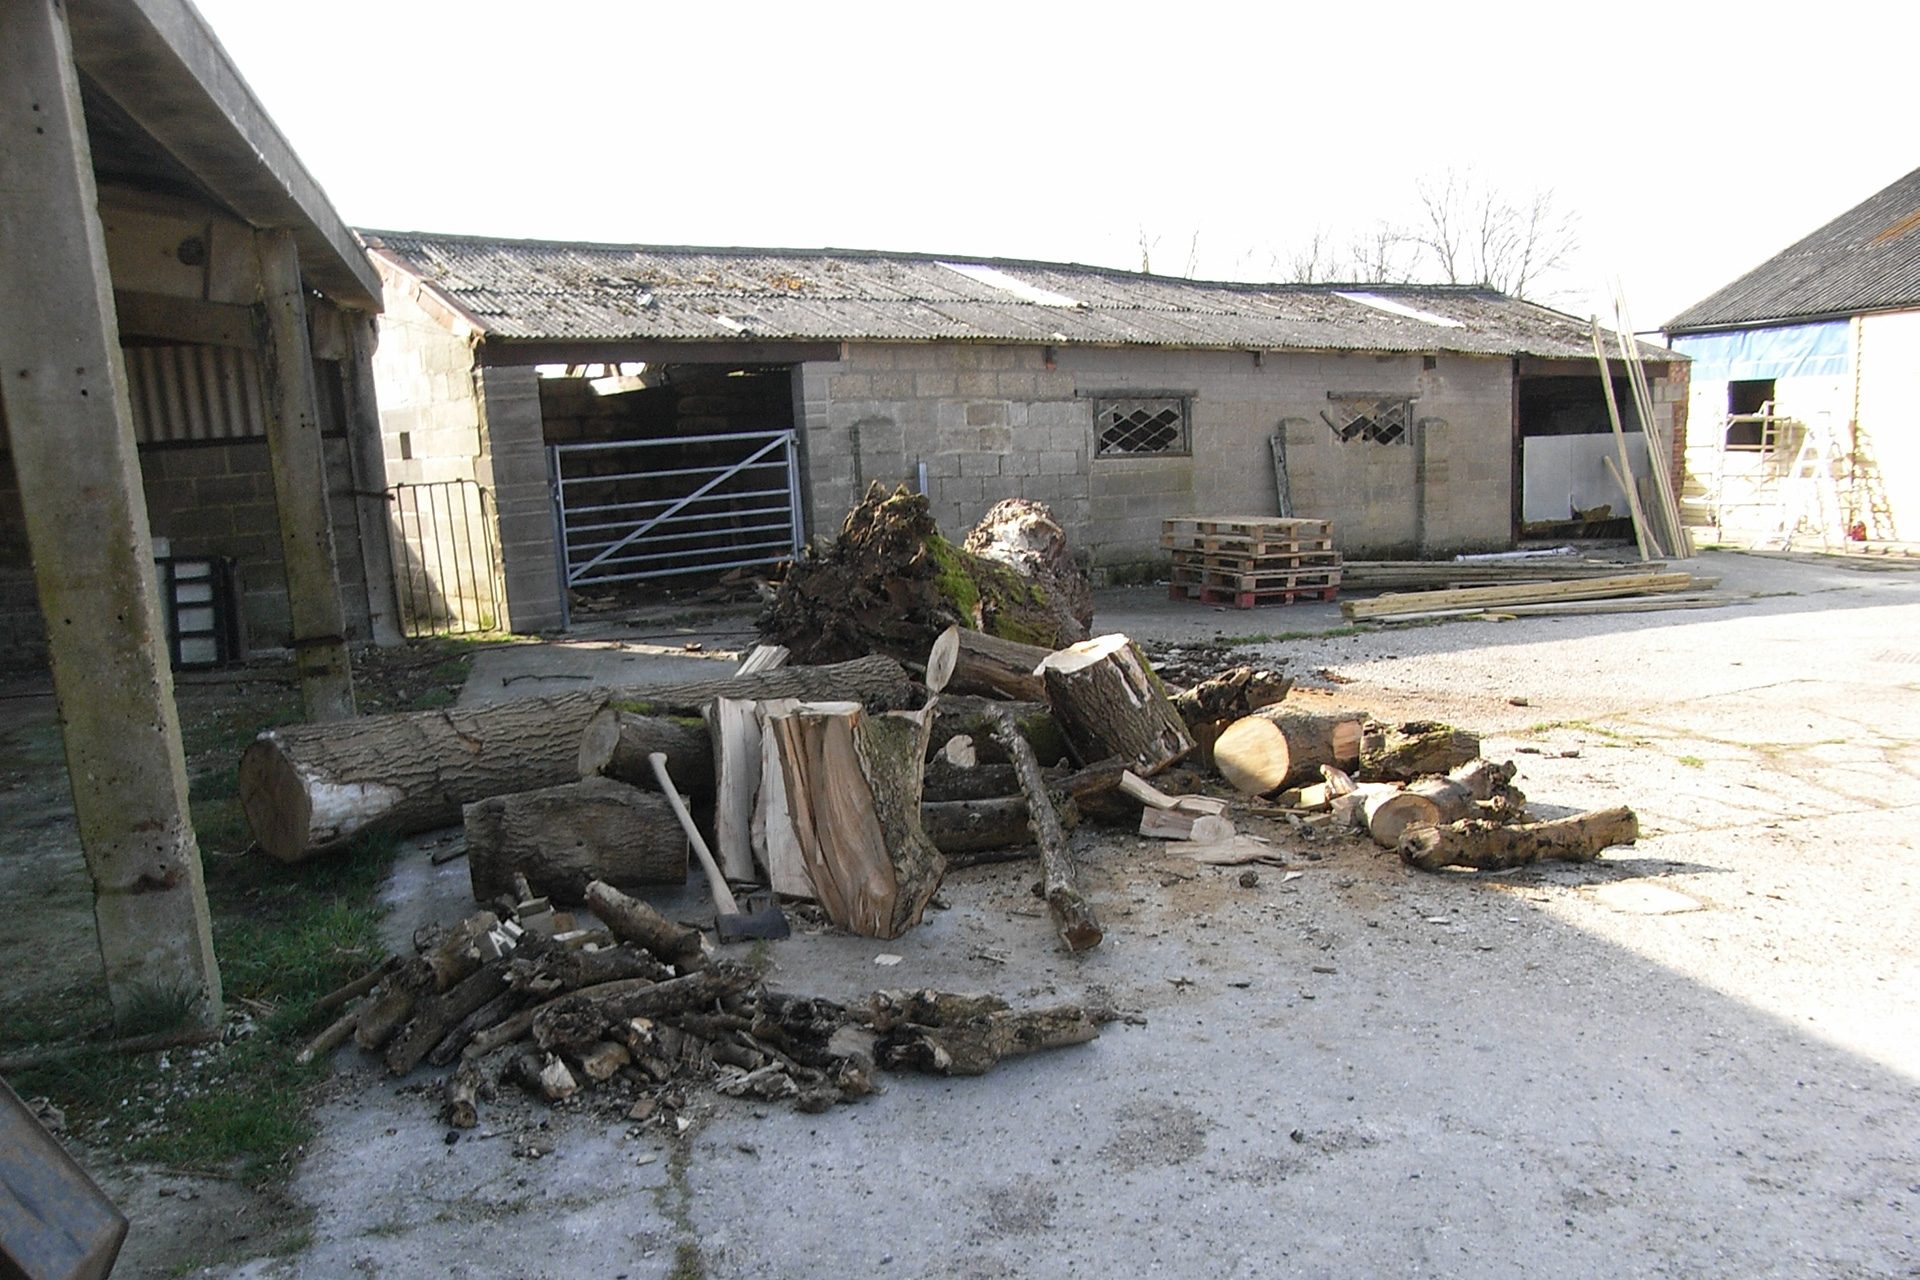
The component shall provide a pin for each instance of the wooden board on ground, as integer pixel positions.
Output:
(1520, 593)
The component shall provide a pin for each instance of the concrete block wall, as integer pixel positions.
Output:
(994, 421)
(213, 499)
(514, 467)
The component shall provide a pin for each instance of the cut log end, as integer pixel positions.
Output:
(278, 809)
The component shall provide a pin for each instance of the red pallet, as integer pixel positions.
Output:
(1249, 599)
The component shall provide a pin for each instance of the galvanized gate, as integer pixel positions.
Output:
(634, 509)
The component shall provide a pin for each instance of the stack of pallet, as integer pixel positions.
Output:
(1256, 560)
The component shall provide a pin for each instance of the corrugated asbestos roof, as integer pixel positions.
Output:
(542, 291)
(1867, 259)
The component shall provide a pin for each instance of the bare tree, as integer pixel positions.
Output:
(1383, 254)
(1472, 233)
(1313, 262)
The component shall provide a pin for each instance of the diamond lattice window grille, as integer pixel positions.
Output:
(1378, 420)
(1130, 428)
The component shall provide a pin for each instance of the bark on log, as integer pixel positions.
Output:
(555, 970)
(974, 1046)
(853, 800)
(974, 717)
(946, 781)
(634, 921)
(616, 744)
(962, 827)
(562, 838)
(434, 1018)
(307, 789)
(1073, 915)
(1276, 747)
(1109, 703)
(891, 584)
(492, 1013)
(997, 668)
(1024, 535)
(1490, 846)
(583, 1017)
(1237, 692)
(461, 1102)
(1403, 752)
(1462, 792)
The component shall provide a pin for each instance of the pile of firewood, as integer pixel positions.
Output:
(643, 1005)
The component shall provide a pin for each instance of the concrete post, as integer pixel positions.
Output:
(369, 460)
(71, 432)
(300, 485)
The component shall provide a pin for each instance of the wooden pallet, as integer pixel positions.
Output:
(1261, 536)
(1283, 578)
(1248, 599)
(1246, 562)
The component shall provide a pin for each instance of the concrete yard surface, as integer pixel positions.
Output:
(1696, 1057)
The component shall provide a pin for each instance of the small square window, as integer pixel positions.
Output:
(1142, 427)
(1750, 399)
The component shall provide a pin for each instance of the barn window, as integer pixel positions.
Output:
(1142, 426)
(1370, 416)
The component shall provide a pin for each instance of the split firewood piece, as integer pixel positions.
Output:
(554, 970)
(616, 744)
(762, 657)
(973, 1046)
(735, 726)
(1386, 811)
(434, 1018)
(490, 1014)
(996, 668)
(383, 1015)
(1233, 693)
(1110, 703)
(544, 1074)
(1490, 846)
(1154, 798)
(1235, 851)
(599, 1062)
(961, 714)
(1095, 791)
(1320, 795)
(1181, 824)
(335, 1034)
(959, 753)
(1073, 915)
(774, 844)
(853, 800)
(562, 838)
(1276, 747)
(455, 954)
(461, 1101)
(1402, 752)
(941, 659)
(632, 920)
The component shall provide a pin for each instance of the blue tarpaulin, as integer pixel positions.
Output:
(1792, 351)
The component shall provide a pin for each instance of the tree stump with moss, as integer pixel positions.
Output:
(891, 583)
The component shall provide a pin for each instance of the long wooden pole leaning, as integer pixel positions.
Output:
(1072, 913)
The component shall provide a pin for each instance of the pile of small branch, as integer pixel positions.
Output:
(643, 1008)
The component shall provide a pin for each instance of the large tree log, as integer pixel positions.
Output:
(891, 583)
(1023, 534)
(1073, 915)
(973, 1046)
(1490, 846)
(1276, 747)
(853, 806)
(563, 838)
(616, 744)
(1386, 811)
(959, 828)
(1109, 703)
(306, 789)
(1403, 752)
(998, 668)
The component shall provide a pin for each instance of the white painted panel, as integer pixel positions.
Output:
(1561, 474)
(1890, 423)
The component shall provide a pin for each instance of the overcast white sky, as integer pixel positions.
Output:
(1693, 140)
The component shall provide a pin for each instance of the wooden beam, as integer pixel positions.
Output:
(507, 351)
(1397, 602)
(209, 324)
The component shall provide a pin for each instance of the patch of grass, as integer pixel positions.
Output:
(688, 1264)
(1235, 642)
(1692, 762)
(153, 1008)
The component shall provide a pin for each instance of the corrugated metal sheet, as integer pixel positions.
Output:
(538, 290)
(1867, 259)
(188, 393)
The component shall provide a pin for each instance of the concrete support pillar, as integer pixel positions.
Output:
(300, 485)
(71, 434)
(368, 455)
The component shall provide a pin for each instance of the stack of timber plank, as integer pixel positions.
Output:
(1417, 575)
(1618, 593)
(1248, 561)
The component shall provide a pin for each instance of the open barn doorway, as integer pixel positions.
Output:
(1568, 457)
(669, 478)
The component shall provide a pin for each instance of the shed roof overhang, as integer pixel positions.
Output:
(162, 69)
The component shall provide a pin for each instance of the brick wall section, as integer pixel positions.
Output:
(993, 421)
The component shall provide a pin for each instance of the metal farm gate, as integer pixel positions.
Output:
(443, 558)
(634, 509)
